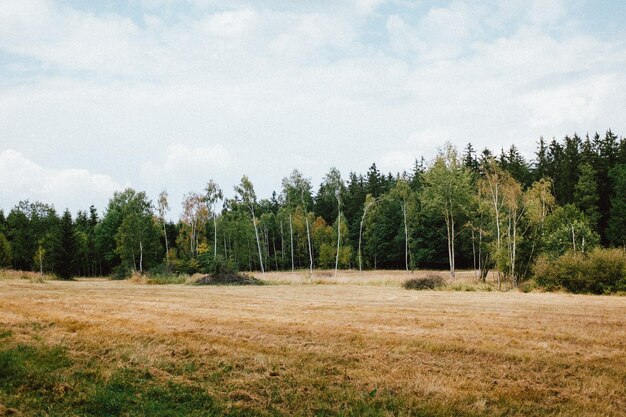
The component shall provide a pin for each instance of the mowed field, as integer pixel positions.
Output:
(356, 346)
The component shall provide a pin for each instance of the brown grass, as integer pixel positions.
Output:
(355, 277)
(302, 348)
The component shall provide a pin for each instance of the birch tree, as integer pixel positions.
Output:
(194, 214)
(402, 192)
(245, 193)
(213, 196)
(369, 202)
(333, 183)
(297, 192)
(447, 185)
(163, 208)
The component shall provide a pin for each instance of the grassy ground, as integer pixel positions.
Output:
(100, 348)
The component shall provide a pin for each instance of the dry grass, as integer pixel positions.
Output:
(326, 349)
(355, 277)
(36, 277)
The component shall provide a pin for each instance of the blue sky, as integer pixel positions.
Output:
(96, 96)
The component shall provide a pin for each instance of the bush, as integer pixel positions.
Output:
(121, 272)
(428, 282)
(602, 271)
(230, 278)
(220, 266)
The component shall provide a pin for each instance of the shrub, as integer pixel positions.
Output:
(230, 278)
(220, 266)
(121, 272)
(600, 272)
(428, 282)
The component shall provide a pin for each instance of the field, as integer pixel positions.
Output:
(357, 345)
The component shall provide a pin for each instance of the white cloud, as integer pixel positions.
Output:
(299, 84)
(183, 162)
(23, 179)
(567, 104)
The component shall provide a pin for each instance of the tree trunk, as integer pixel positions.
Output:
(338, 241)
(258, 243)
(167, 252)
(291, 241)
(282, 245)
(141, 256)
(474, 253)
(214, 237)
(308, 234)
(450, 232)
(406, 239)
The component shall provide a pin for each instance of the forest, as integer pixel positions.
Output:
(466, 209)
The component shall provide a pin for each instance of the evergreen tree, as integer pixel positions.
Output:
(514, 163)
(66, 251)
(375, 184)
(6, 254)
(616, 231)
(541, 165)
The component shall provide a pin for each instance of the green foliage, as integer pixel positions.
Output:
(220, 266)
(66, 252)
(586, 194)
(428, 282)
(568, 229)
(446, 206)
(602, 271)
(617, 222)
(138, 234)
(6, 253)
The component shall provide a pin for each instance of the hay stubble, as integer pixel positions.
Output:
(299, 349)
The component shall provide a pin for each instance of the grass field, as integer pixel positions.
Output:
(360, 345)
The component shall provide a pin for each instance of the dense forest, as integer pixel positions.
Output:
(465, 209)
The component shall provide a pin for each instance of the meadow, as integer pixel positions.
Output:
(347, 345)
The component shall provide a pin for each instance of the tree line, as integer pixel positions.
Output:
(467, 209)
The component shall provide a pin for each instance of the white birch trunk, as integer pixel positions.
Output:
(338, 241)
(258, 243)
(291, 243)
(141, 256)
(406, 238)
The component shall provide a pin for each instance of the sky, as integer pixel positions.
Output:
(164, 94)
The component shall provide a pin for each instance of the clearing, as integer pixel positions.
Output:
(350, 347)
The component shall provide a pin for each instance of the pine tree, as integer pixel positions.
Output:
(616, 230)
(66, 251)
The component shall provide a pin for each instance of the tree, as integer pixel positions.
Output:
(616, 230)
(586, 196)
(138, 233)
(6, 254)
(245, 194)
(40, 257)
(66, 252)
(568, 230)
(446, 191)
(195, 215)
(402, 192)
(297, 192)
(333, 184)
(539, 203)
(369, 202)
(163, 208)
(30, 225)
(213, 196)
